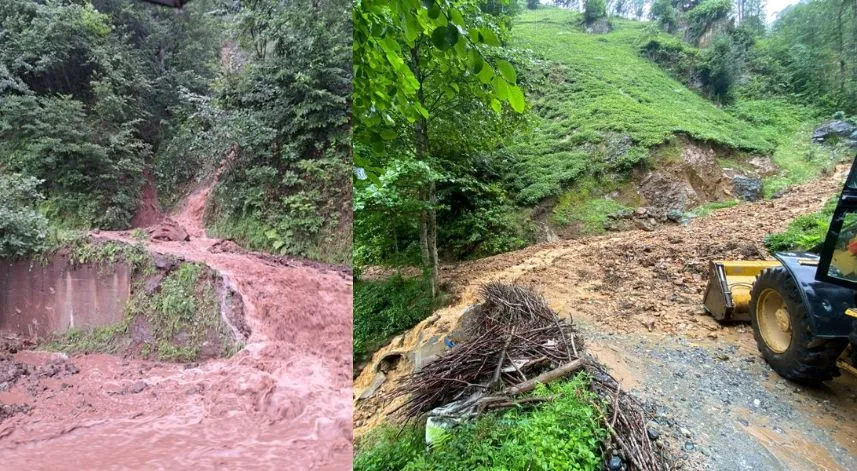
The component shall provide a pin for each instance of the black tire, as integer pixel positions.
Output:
(807, 360)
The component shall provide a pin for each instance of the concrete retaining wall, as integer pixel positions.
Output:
(38, 300)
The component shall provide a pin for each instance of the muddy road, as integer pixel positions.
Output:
(637, 298)
(282, 402)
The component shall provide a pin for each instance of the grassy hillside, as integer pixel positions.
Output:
(601, 107)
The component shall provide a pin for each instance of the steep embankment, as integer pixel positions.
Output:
(607, 121)
(637, 296)
(282, 399)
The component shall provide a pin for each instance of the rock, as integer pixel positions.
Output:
(164, 262)
(644, 225)
(168, 230)
(757, 402)
(615, 463)
(747, 188)
(653, 429)
(688, 446)
(832, 128)
(684, 432)
(598, 26)
(763, 166)
(138, 387)
(675, 215)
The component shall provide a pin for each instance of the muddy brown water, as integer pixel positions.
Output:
(637, 296)
(282, 402)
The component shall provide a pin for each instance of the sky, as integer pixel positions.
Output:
(775, 6)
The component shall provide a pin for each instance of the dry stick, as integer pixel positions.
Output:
(496, 376)
(545, 378)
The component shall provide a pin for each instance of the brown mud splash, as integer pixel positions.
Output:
(283, 402)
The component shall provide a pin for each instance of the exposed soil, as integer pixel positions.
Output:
(149, 208)
(282, 402)
(637, 296)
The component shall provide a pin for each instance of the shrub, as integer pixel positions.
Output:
(22, 228)
(386, 308)
(594, 9)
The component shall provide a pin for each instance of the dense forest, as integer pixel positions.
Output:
(99, 98)
(475, 173)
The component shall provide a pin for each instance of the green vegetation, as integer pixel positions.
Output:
(96, 96)
(385, 308)
(585, 209)
(564, 433)
(431, 90)
(86, 91)
(286, 117)
(181, 318)
(804, 232)
(22, 228)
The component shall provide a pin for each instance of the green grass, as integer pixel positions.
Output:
(804, 232)
(564, 433)
(800, 160)
(586, 210)
(385, 308)
(600, 106)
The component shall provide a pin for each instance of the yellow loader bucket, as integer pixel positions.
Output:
(727, 297)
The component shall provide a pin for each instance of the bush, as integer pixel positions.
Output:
(594, 9)
(386, 308)
(22, 228)
(532, 4)
(564, 433)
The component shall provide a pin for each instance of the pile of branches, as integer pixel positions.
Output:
(514, 342)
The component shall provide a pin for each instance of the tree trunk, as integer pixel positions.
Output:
(428, 216)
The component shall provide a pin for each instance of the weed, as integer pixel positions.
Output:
(563, 433)
(805, 232)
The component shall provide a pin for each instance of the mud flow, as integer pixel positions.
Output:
(636, 296)
(282, 402)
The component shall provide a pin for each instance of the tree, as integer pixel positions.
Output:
(664, 14)
(399, 48)
(594, 9)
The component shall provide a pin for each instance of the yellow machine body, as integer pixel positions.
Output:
(727, 297)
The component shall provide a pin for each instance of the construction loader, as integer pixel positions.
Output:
(802, 306)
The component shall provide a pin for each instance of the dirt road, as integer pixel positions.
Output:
(280, 403)
(636, 296)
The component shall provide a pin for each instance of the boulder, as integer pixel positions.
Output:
(747, 188)
(835, 128)
(168, 230)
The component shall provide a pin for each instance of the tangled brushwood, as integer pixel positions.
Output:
(515, 341)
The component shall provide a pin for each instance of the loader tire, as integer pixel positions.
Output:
(787, 342)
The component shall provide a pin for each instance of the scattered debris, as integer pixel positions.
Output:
(514, 342)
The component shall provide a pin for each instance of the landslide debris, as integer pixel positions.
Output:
(514, 341)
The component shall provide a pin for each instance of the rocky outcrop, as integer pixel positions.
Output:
(834, 129)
